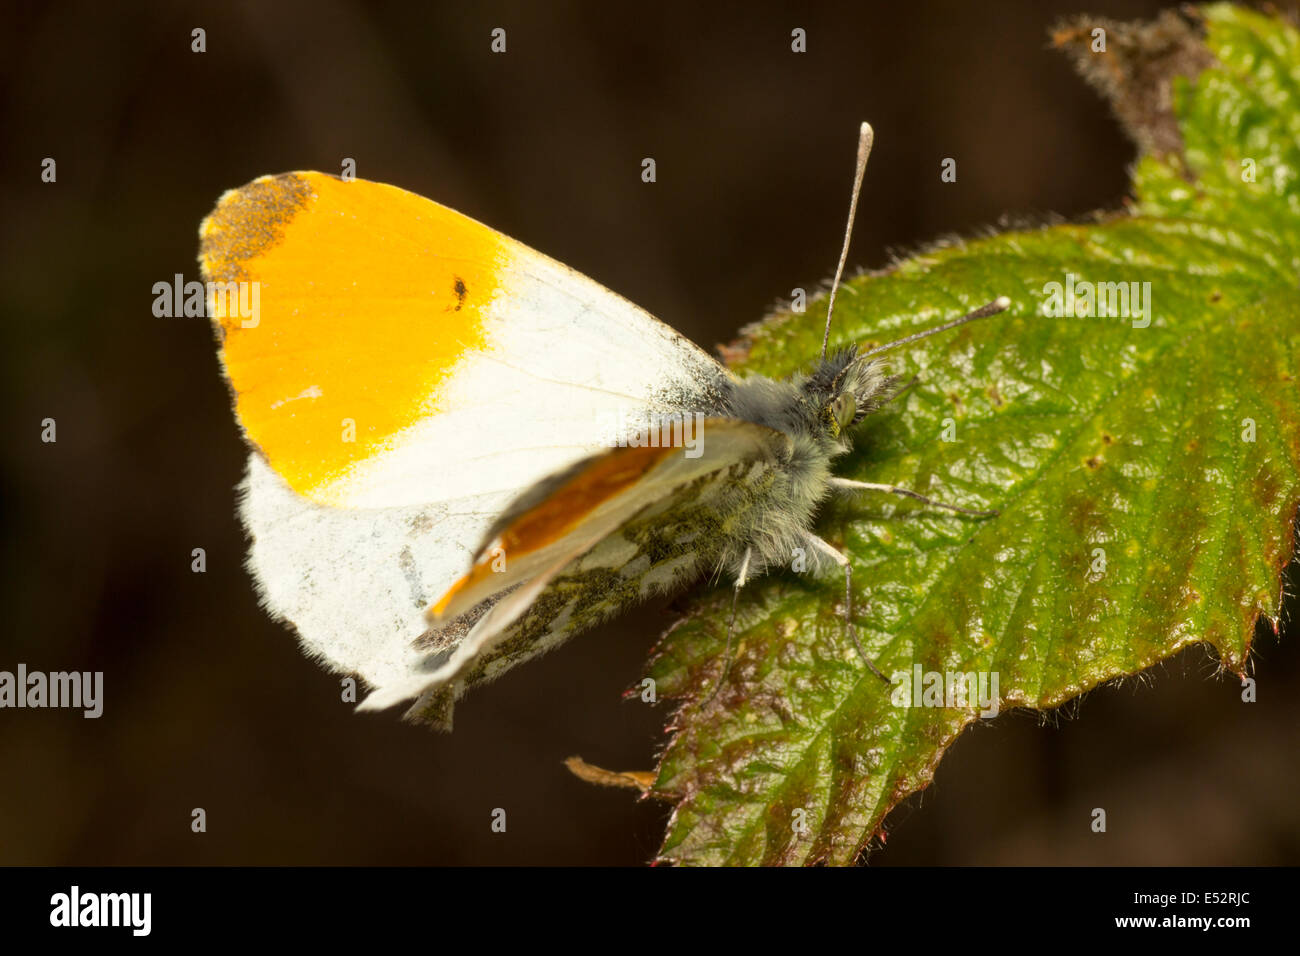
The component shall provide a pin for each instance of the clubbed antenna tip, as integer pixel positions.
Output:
(866, 135)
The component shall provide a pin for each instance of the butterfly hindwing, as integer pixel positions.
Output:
(666, 546)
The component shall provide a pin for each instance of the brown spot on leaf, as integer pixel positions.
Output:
(1266, 486)
(1084, 515)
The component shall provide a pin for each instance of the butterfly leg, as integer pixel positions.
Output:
(844, 484)
(840, 559)
(741, 578)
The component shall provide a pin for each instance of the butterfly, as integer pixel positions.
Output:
(463, 452)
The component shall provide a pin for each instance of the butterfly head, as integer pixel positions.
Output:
(846, 387)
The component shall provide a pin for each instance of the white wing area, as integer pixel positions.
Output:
(563, 359)
(356, 583)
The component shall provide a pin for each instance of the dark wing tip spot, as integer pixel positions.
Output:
(247, 222)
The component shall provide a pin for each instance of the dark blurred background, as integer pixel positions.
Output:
(209, 704)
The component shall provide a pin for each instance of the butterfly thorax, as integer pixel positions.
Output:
(816, 410)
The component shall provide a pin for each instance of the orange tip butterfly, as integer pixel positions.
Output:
(463, 452)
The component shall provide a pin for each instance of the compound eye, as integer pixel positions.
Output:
(844, 408)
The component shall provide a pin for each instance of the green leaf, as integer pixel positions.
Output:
(1147, 475)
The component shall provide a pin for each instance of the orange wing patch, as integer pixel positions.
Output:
(368, 295)
(607, 476)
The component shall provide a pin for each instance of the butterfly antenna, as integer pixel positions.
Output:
(865, 137)
(1000, 304)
